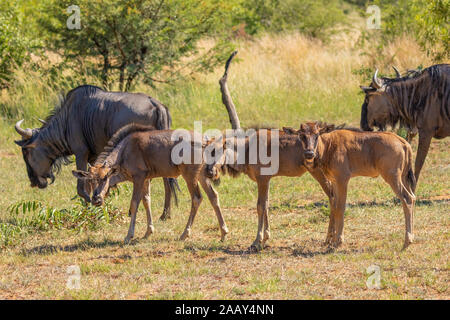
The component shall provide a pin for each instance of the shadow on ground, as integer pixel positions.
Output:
(80, 246)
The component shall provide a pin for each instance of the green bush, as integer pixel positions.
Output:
(315, 18)
(427, 20)
(31, 216)
(14, 44)
(122, 41)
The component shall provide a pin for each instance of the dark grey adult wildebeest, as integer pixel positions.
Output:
(420, 102)
(82, 125)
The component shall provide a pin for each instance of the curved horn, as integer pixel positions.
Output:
(42, 121)
(375, 81)
(25, 133)
(397, 73)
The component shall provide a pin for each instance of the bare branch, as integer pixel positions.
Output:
(226, 97)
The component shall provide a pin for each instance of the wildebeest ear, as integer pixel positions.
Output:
(80, 174)
(367, 89)
(25, 143)
(20, 143)
(327, 128)
(289, 130)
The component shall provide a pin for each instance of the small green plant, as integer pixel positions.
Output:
(30, 216)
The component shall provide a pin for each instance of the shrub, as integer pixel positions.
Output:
(32, 216)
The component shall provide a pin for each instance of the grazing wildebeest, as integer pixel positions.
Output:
(139, 154)
(420, 102)
(82, 125)
(343, 154)
(290, 164)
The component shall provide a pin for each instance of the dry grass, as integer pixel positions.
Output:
(283, 81)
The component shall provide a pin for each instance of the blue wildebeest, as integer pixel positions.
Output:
(138, 154)
(343, 153)
(82, 125)
(419, 102)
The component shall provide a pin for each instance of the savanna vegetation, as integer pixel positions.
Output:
(298, 60)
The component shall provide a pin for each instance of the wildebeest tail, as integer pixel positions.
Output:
(410, 177)
(164, 120)
(173, 184)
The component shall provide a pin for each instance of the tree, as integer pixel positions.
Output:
(151, 40)
(14, 44)
(433, 28)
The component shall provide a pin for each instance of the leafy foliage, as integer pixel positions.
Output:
(151, 40)
(315, 18)
(426, 20)
(31, 216)
(13, 41)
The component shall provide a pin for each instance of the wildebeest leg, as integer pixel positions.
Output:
(81, 162)
(422, 151)
(214, 199)
(196, 199)
(338, 207)
(147, 204)
(138, 191)
(408, 199)
(327, 188)
(262, 209)
(168, 195)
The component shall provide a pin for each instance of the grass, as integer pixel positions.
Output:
(278, 81)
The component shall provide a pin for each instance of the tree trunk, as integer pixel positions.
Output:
(226, 97)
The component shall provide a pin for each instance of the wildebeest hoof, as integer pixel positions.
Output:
(224, 231)
(150, 230)
(127, 239)
(256, 247)
(327, 242)
(408, 240)
(165, 216)
(186, 234)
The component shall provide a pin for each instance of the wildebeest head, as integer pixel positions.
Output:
(377, 107)
(36, 156)
(224, 162)
(99, 176)
(214, 157)
(309, 137)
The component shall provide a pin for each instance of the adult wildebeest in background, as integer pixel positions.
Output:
(342, 154)
(139, 154)
(420, 102)
(82, 125)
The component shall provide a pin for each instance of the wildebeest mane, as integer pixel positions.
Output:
(333, 127)
(64, 106)
(411, 95)
(118, 137)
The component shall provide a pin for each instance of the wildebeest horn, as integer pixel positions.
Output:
(376, 81)
(397, 73)
(25, 133)
(42, 121)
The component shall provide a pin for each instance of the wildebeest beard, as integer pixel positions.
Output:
(54, 169)
(364, 124)
(57, 164)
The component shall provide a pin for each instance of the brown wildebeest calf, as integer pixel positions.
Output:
(139, 154)
(342, 154)
(291, 160)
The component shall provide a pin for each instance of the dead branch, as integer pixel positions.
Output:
(226, 97)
